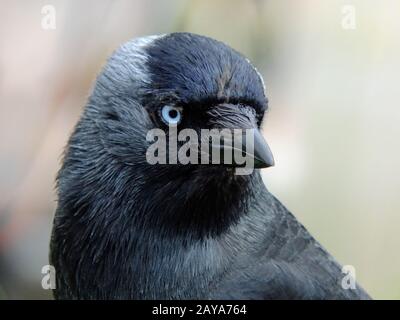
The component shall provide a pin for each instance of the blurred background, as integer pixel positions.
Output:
(332, 73)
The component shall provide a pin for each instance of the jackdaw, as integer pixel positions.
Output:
(128, 229)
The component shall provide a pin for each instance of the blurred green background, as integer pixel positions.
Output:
(333, 124)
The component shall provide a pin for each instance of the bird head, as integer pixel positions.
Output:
(176, 84)
(169, 84)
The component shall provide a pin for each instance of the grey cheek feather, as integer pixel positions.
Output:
(126, 68)
(135, 52)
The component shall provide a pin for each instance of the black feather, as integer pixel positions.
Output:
(125, 229)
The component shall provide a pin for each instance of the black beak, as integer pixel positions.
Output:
(258, 151)
(242, 144)
(263, 157)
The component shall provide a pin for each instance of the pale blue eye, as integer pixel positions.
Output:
(171, 115)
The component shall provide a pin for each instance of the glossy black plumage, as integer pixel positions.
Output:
(125, 229)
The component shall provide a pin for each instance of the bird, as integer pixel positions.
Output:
(127, 229)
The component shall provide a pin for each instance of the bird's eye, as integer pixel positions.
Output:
(171, 115)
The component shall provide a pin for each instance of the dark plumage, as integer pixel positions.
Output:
(125, 229)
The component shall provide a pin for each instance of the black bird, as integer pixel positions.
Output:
(127, 229)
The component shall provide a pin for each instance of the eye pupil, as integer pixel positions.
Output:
(173, 113)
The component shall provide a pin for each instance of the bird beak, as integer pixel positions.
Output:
(254, 149)
(240, 143)
(262, 155)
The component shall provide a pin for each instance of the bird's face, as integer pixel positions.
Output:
(179, 81)
(175, 83)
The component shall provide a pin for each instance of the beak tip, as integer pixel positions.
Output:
(262, 152)
(270, 162)
(264, 164)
